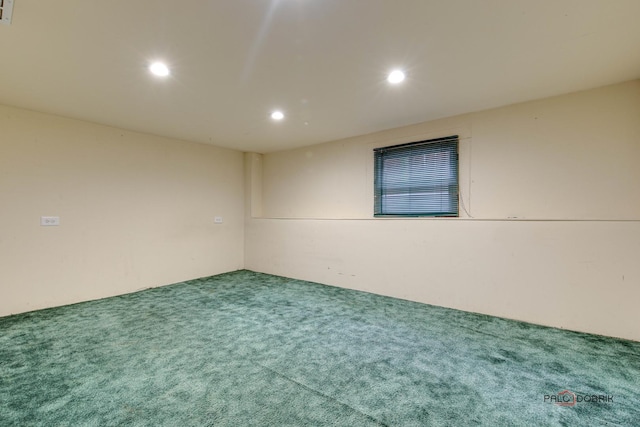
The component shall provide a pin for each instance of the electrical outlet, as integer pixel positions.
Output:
(49, 221)
(217, 220)
(6, 10)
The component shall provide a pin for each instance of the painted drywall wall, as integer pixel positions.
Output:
(581, 276)
(549, 232)
(568, 157)
(136, 211)
(253, 185)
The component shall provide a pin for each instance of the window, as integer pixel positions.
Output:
(417, 179)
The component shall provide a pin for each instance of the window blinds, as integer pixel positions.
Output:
(417, 179)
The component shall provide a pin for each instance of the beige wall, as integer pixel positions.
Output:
(553, 235)
(136, 211)
(568, 157)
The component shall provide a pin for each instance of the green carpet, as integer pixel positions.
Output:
(249, 349)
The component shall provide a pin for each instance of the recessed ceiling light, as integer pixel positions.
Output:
(277, 115)
(395, 77)
(159, 69)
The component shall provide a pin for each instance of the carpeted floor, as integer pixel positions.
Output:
(249, 349)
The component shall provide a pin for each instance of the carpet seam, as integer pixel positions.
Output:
(370, 417)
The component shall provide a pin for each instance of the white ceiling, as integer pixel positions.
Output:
(323, 62)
